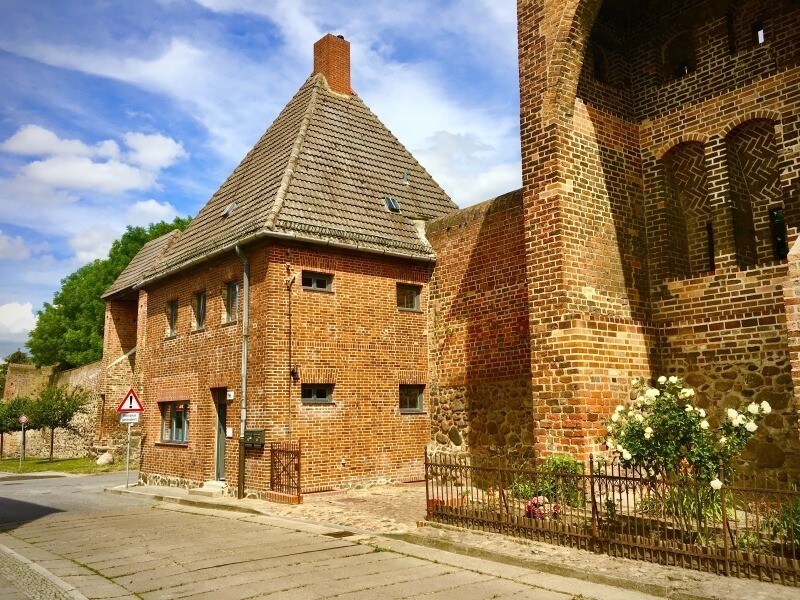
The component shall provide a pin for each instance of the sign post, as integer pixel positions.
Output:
(129, 409)
(23, 419)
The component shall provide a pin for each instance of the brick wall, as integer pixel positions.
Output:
(478, 321)
(625, 167)
(353, 337)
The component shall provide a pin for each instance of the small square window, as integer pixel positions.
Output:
(317, 393)
(199, 310)
(411, 397)
(172, 318)
(408, 296)
(175, 422)
(231, 301)
(317, 281)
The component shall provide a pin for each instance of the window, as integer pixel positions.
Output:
(172, 318)
(231, 301)
(411, 398)
(392, 205)
(777, 226)
(679, 56)
(317, 281)
(199, 310)
(710, 244)
(408, 296)
(175, 422)
(317, 393)
(758, 34)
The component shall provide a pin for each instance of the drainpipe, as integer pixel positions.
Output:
(245, 338)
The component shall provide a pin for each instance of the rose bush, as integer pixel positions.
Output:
(662, 432)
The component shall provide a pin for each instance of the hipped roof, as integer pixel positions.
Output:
(320, 173)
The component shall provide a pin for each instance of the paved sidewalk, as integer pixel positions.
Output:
(392, 516)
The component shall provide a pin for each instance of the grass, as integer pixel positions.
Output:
(76, 466)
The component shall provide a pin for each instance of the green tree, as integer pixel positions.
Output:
(9, 416)
(69, 331)
(55, 408)
(17, 357)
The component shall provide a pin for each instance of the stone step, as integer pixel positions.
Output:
(210, 489)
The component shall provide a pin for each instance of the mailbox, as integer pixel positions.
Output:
(253, 437)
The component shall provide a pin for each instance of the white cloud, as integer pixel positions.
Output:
(13, 248)
(145, 212)
(16, 320)
(33, 140)
(91, 244)
(154, 151)
(81, 173)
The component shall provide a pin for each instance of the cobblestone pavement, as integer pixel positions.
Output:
(399, 511)
(20, 581)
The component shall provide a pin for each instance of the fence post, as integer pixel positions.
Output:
(595, 516)
(427, 487)
(725, 524)
(299, 468)
(501, 495)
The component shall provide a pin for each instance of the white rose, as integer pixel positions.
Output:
(652, 393)
(648, 430)
(639, 417)
(738, 421)
(732, 414)
(620, 448)
(662, 380)
(722, 440)
(610, 428)
(716, 484)
(765, 407)
(673, 379)
(635, 381)
(688, 391)
(619, 408)
(703, 424)
(626, 455)
(751, 426)
(630, 413)
(689, 408)
(648, 435)
(615, 417)
(701, 412)
(752, 408)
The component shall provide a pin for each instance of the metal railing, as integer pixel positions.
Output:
(750, 530)
(285, 468)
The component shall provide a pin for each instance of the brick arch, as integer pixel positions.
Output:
(761, 114)
(686, 137)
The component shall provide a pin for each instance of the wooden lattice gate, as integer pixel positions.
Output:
(285, 469)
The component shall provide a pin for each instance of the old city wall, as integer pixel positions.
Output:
(353, 338)
(478, 323)
(603, 195)
(27, 380)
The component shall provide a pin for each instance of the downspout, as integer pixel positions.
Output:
(245, 338)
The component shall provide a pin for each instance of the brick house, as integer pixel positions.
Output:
(310, 261)
(654, 233)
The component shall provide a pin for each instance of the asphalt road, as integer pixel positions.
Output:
(100, 545)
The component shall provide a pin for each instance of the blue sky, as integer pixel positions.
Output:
(116, 113)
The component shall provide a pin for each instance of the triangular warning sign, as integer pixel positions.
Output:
(130, 403)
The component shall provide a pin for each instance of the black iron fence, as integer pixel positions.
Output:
(750, 530)
(285, 468)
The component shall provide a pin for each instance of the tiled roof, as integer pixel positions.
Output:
(320, 173)
(141, 263)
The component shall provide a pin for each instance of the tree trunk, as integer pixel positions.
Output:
(52, 435)
(1, 444)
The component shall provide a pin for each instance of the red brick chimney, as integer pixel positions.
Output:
(332, 59)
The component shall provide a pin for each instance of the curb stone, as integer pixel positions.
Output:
(67, 590)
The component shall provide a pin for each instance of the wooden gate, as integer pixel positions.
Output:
(285, 469)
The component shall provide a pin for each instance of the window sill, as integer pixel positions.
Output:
(230, 323)
(409, 310)
(312, 403)
(173, 444)
(198, 330)
(413, 412)
(317, 290)
(171, 337)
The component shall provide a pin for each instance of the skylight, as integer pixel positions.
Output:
(392, 205)
(226, 212)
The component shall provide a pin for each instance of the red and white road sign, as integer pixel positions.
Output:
(23, 419)
(130, 403)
